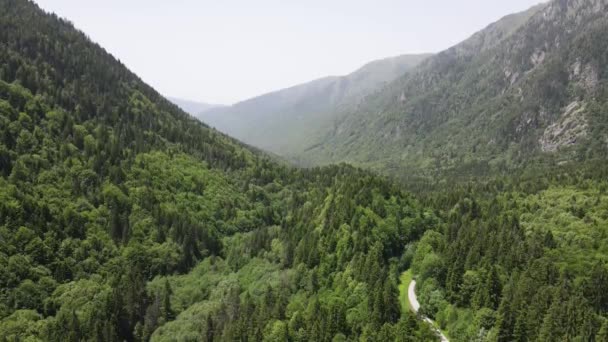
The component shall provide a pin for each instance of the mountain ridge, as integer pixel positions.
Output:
(285, 120)
(464, 92)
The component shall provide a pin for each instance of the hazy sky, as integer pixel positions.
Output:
(223, 51)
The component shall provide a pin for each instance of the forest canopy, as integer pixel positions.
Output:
(122, 218)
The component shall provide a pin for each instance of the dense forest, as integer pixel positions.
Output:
(519, 258)
(123, 218)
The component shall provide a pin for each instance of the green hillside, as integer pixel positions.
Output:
(531, 86)
(123, 218)
(289, 121)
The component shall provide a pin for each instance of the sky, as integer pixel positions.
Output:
(224, 51)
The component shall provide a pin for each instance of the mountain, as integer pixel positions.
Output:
(192, 107)
(530, 86)
(122, 218)
(506, 136)
(286, 121)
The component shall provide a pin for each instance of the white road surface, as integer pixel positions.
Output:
(411, 294)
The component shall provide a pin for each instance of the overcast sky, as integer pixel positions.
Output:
(223, 51)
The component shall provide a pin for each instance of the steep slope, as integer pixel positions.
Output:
(286, 121)
(193, 108)
(122, 218)
(528, 86)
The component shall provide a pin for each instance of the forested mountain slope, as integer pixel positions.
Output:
(288, 121)
(124, 218)
(531, 85)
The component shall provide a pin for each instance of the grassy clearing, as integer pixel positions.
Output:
(404, 282)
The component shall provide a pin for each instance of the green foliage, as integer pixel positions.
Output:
(513, 262)
(259, 289)
(503, 99)
(123, 218)
(404, 281)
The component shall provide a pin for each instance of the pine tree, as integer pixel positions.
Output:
(166, 311)
(494, 289)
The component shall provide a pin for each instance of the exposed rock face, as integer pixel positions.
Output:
(523, 86)
(586, 76)
(537, 57)
(590, 77)
(571, 126)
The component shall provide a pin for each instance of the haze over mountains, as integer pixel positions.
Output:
(289, 120)
(521, 88)
(526, 86)
(123, 218)
(193, 108)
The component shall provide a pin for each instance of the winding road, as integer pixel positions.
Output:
(411, 295)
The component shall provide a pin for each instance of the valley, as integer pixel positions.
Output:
(290, 121)
(460, 194)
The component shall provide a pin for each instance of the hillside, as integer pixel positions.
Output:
(193, 108)
(287, 121)
(122, 218)
(532, 85)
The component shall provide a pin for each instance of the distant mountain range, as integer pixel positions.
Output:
(123, 218)
(531, 86)
(289, 120)
(193, 108)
